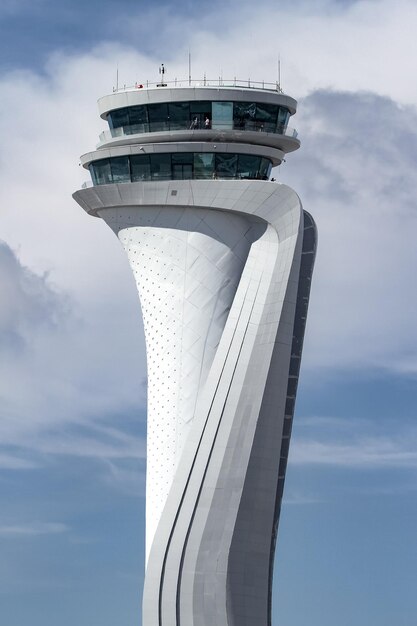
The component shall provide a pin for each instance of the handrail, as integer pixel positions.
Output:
(204, 82)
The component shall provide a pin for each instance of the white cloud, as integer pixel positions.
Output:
(57, 384)
(355, 172)
(363, 45)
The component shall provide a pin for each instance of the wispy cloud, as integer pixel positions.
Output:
(119, 454)
(32, 529)
(298, 499)
(75, 444)
(126, 476)
(12, 462)
(368, 452)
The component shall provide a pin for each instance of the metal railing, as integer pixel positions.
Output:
(204, 82)
(158, 127)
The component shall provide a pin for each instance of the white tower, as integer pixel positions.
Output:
(223, 260)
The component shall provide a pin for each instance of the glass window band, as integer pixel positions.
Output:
(200, 114)
(179, 166)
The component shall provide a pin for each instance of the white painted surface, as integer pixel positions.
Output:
(187, 264)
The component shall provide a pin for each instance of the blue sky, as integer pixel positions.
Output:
(72, 366)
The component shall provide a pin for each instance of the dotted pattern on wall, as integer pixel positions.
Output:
(187, 264)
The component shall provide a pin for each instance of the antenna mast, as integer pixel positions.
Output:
(162, 71)
(279, 73)
(189, 67)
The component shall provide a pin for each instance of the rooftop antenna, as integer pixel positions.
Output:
(189, 67)
(279, 73)
(162, 71)
(117, 77)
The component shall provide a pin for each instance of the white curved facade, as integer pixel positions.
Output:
(223, 270)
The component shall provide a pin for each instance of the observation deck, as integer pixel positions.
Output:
(200, 129)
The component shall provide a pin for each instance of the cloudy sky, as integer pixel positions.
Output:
(72, 383)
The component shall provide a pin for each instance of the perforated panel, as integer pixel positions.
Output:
(187, 264)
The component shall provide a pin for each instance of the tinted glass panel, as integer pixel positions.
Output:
(177, 172)
(203, 165)
(244, 110)
(160, 166)
(310, 240)
(283, 116)
(134, 128)
(248, 166)
(120, 169)
(102, 171)
(187, 171)
(292, 386)
(138, 115)
(286, 431)
(202, 106)
(182, 166)
(266, 112)
(289, 406)
(285, 445)
(222, 115)
(118, 118)
(266, 116)
(140, 167)
(158, 117)
(244, 115)
(182, 171)
(294, 366)
(226, 165)
(183, 157)
(265, 168)
(179, 115)
(201, 114)
(92, 170)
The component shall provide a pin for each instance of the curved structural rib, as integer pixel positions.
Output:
(240, 313)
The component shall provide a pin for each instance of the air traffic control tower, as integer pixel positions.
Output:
(222, 258)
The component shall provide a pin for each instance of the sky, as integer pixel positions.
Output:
(72, 359)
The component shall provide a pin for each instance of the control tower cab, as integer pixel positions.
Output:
(193, 132)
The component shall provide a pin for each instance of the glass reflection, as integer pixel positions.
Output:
(179, 166)
(226, 166)
(203, 165)
(140, 168)
(199, 114)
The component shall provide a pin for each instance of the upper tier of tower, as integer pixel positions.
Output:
(202, 131)
(235, 113)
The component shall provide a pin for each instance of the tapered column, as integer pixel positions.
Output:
(223, 272)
